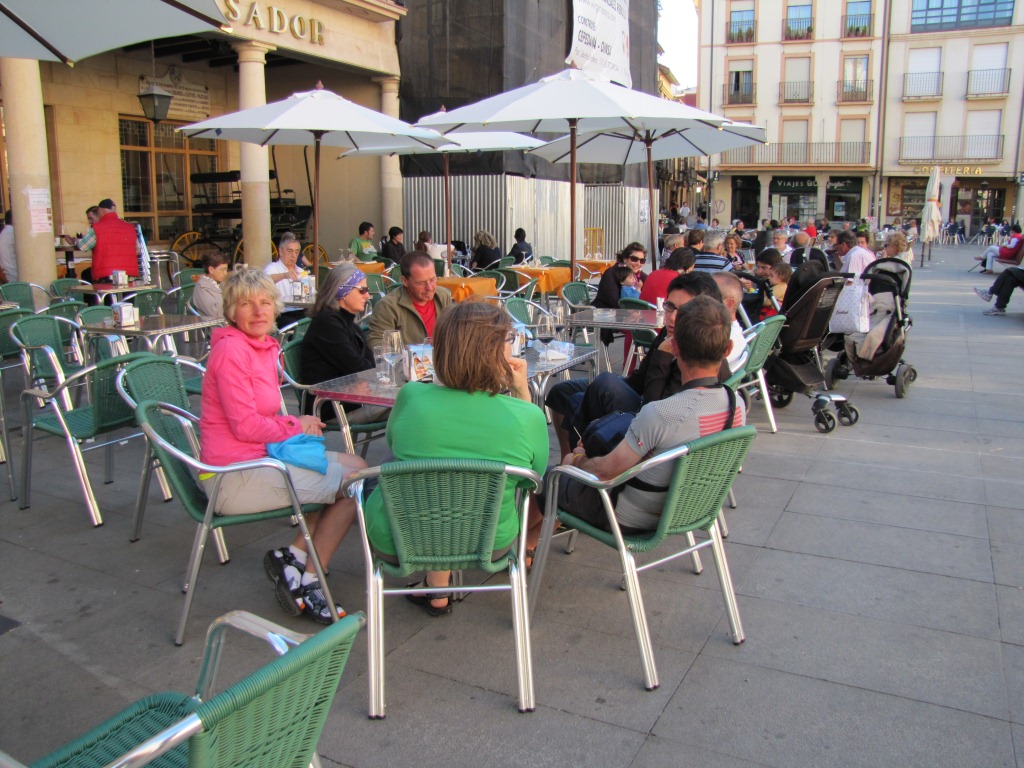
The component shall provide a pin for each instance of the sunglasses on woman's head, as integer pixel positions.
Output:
(639, 259)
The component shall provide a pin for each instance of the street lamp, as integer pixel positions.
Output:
(155, 101)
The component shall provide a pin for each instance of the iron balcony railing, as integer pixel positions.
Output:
(858, 25)
(988, 82)
(801, 153)
(951, 148)
(854, 90)
(796, 92)
(798, 29)
(742, 93)
(922, 85)
(741, 32)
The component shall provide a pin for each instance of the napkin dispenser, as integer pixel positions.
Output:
(119, 277)
(125, 313)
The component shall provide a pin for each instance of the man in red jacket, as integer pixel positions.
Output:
(114, 245)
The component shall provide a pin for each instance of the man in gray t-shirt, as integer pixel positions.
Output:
(701, 339)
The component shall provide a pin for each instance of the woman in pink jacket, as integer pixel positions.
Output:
(241, 414)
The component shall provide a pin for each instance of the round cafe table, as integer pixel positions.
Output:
(464, 287)
(549, 279)
(600, 266)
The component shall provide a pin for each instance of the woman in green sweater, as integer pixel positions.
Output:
(463, 415)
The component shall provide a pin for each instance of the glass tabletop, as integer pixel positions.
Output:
(626, 319)
(156, 325)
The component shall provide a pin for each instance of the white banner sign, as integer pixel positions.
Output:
(600, 39)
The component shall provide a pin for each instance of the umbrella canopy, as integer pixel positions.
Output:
(626, 147)
(75, 30)
(573, 101)
(485, 141)
(931, 216)
(317, 117)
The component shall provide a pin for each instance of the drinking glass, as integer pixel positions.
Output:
(381, 363)
(546, 330)
(393, 351)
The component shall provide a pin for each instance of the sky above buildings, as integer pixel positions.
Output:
(677, 33)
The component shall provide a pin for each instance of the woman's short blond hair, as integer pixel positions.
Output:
(245, 283)
(899, 241)
(469, 348)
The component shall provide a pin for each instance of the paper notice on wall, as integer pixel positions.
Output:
(645, 211)
(600, 39)
(40, 211)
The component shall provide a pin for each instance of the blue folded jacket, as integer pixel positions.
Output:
(305, 451)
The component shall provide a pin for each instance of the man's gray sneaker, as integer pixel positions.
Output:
(982, 294)
(994, 311)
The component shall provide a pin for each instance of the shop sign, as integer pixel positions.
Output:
(600, 39)
(782, 185)
(847, 185)
(948, 170)
(275, 20)
(190, 101)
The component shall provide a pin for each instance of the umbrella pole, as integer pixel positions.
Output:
(317, 136)
(447, 212)
(572, 195)
(650, 204)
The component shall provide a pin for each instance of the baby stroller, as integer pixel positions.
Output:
(879, 352)
(795, 363)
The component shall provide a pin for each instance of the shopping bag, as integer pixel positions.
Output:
(853, 309)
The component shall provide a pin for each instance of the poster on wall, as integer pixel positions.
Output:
(600, 39)
(40, 211)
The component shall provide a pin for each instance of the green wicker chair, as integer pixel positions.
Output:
(105, 412)
(376, 285)
(101, 347)
(642, 340)
(148, 302)
(10, 357)
(59, 288)
(25, 294)
(561, 263)
(187, 276)
(547, 261)
(523, 311)
(161, 379)
(760, 341)
(272, 718)
(68, 310)
(459, 270)
(704, 473)
(577, 297)
(443, 515)
(294, 331)
(43, 355)
(182, 296)
(439, 267)
(291, 371)
(498, 277)
(171, 433)
(506, 262)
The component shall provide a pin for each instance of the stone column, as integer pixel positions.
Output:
(28, 166)
(822, 179)
(255, 160)
(765, 180)
(390, 167)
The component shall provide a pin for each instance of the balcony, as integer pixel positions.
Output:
(922, 85)
(853, 91)
(858, 25)
(742, 93)
(814, 153)
(951, 148)
(797, 29)
(741, 32)
(988, 83)
(796, 92)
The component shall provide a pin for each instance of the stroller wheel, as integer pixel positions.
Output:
(913, 374)
(904, 375)
(824, 421)
(781, 397)
(848, 415)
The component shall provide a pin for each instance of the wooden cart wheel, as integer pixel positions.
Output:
(238, 255)
(192, 254)
(307, 254)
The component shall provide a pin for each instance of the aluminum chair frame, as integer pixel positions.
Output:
(8, 351)
(77, 425)
(150, 462)
(760, 342)
(22, 292)
(637, 350)
(168, 453)
(57, 290)
(168, 722)
(377, 567)
(41, 363)
(686, 480)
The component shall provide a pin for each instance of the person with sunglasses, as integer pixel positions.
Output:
(633, 256)
(334, 344)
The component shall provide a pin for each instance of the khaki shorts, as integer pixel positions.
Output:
(260, 490)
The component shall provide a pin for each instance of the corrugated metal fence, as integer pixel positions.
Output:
(500, 204)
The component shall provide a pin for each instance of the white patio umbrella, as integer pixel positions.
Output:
(317, 117)
(72, 30)
(573, 101)
(484, 141)
(628, 147)
(931, 216)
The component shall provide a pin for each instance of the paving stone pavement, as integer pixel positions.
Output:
(879, 572)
